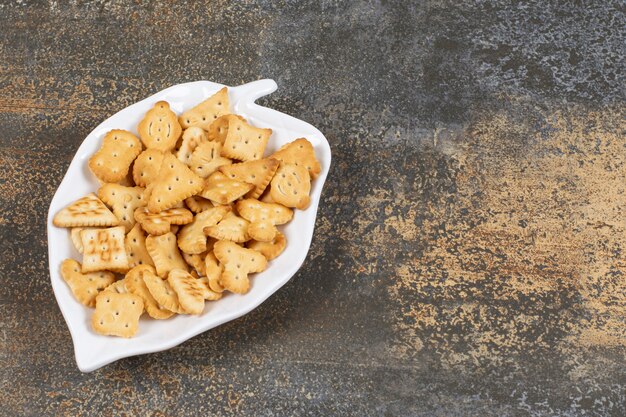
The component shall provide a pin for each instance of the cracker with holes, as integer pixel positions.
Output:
(75, 236)
(198, 204)
(161, 223)
(176, 182)
(136, 251)
(269, 249)
(88, 211)
(213, 271)
(146, 167)
(238, 263)
(299, 152)
(291, 186)
(118, 287)
(123, 201)
(206, 112)
(162, 292)
(258, 173)
(192, 137)
(136, 285)
(191, 238)
(222, 190)
(85, 287)
(159, 129)
(231, 227)
(207, 158)
(165, 254)
(112, 161)
(117, 314)
(218, 130)
(196, 262)
(263, 217)
(189, 290)
(104, 249)
(245, 142)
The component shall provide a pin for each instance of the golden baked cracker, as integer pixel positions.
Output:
(85, 287)
(271, 249)
(258, 173)
(175, 183)
(238, 263)
(160, 223)
(162, 292)
(207, 292)
(85, 212)
(243, 141)
(189, 291)
(231, 227)
(198, 204)
(204, 113)
(75, 236)
(123, 201)
(222, 190)
(196, 261)
(218, 130)
(299, 152)
(104, 249)
(112, 161)
(146, 166)
(135, 243)
(291, 186)
(159, 128)
(191, 238)
(207, 158)
(192, 137)
(263, 217)
(266, 197)
(117, 314)
(118, 286)
(136, 285)
(213, 271)
(165, 254)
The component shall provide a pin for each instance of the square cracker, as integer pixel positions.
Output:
(291, 186)
(112, 161)
(104, 249)
(117, 314)
(244, 141)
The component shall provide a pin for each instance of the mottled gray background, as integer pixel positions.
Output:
(469, 251)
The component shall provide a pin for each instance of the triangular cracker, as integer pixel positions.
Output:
(135, 243)
(123, 201)
(190, 292)
(243, 141)
(112, 161)
(175, 183)
(192, 137)
(162, 292)
(136, 285)
(269, 249)
(258, 173)
(238, 263)
(263, 217)
(160, 223)
(165, 254)
(291, 186)
(299, 152)
(223, 190)
(87, 211)
(104, 249)
(146, 167)
(191, 238)
(159, 129)
(207, 158)
(231, 227)
(204, 113)
(85, 287)
(117, 314)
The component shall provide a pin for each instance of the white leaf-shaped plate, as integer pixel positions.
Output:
(94, 351)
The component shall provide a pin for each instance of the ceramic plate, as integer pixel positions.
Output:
(94, 351)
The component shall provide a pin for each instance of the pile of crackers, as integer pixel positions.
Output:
(184, 213)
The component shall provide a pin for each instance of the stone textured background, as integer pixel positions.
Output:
(469, 255)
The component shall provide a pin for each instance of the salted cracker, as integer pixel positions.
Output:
(175, 183)
(196, 262)
(198, 204)
(263, 217)
(213, 272)
(117, 314)
(118, 286)
(192, 137)
(136, 285)
(207, 158)
(258, 173)
(299, 152)
(165, 254)
(159, 129)
(88, 211)
(245, 142)
(112, 161)
(222, 190)
(190, 292)
(206, 112)
(162, 292)
(146, 167)
(123, 201)
(238, 263)
(104, 249)
(207, 292)
(160, 223)
(291, 186)
(231, 227)
(85, 287)
(136, 251)
(270, 249)
(191, 238)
